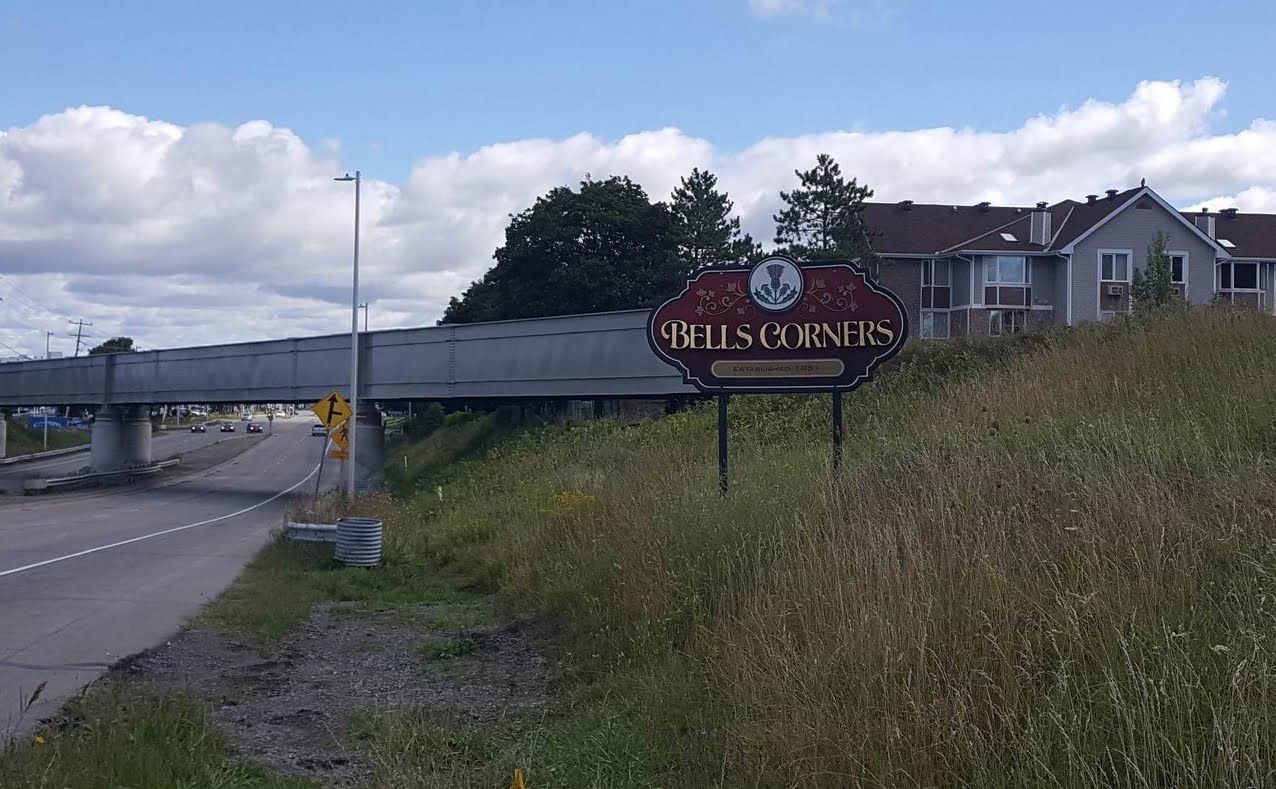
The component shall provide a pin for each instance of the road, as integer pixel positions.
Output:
(87, 579)
(164, 444)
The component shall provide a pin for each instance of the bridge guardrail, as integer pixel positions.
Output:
(37, 485)
(52, 453)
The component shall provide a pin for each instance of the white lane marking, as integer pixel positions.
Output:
(88, 551)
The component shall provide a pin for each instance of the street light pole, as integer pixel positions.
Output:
(353, 432)
(47, 335)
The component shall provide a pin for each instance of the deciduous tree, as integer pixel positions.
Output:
(1153, 286)
(114, 345)
(604, 247)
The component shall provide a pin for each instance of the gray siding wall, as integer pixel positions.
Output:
(1133, 229)
(961, 282)
(1061, 294)
(1043, 280)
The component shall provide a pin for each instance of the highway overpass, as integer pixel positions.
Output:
(603, 355)
(599, 356)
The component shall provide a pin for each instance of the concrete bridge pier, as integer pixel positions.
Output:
(121, 438)
(369, 472)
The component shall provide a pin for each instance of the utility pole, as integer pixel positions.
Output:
(79, 329)
(364, 307)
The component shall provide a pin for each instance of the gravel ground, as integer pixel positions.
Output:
(289, 707)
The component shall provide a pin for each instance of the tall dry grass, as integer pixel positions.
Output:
(1045, 563)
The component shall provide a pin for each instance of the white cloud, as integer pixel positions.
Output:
(776, 7)
(857, 13)
(186, 235)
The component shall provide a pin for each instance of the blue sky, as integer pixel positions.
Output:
(165, 165)
(394, 81)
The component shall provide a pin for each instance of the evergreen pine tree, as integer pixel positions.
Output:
(823, 217)
(707, 233)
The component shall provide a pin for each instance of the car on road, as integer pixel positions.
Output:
(227, 427)
(254, 427)
(318, 430)
(199, 428)
(247, 417)
(281, 415)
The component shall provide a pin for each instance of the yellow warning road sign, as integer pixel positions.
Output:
(340, 437)
(332, 410)
(339, 454)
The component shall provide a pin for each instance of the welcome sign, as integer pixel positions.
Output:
(779, 327)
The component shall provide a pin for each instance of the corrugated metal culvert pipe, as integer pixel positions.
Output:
(359, 542)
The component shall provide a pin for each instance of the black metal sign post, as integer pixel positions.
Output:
(722, 442)
(837, 428)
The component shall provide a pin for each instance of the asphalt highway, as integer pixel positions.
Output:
(87, 579)
(164, 444)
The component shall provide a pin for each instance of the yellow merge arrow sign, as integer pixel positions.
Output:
(332, 410)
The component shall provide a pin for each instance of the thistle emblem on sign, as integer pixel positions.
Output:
(775, 284)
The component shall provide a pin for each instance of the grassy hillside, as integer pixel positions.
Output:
(22, 440)
(1045, 562)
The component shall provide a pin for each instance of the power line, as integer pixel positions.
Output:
(80, 324)
(42, 306)
(20, 354)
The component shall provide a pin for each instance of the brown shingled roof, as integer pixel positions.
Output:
(926, 229)
(929, 229)
(1254, 235)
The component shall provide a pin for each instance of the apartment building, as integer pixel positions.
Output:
(989, 270)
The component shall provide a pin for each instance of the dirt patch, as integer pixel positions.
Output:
(290, 707)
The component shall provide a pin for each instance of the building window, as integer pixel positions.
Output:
(1006, 322)
(1178, 269)
(1114, 267)
(934, 325)
(1006, 270)
(936, 284)
(1006, 280)
(1238, 276)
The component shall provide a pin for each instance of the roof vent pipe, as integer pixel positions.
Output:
(984, 205)
(907, 205)
(1112, 193)
(1091, 198)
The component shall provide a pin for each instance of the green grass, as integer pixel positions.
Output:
(421, 466)
(446, 648)
(121, 736)
(22, 440)
(1045, 562)
(285, 580)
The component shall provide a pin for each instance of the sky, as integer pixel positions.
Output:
(165, 169)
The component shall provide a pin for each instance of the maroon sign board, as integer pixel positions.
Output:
(779, 326)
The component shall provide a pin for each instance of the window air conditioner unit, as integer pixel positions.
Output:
(1116, 289)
